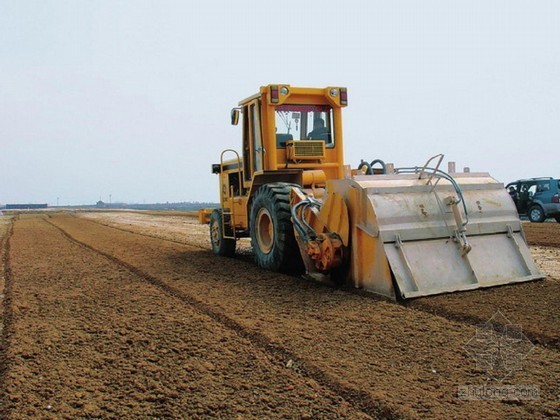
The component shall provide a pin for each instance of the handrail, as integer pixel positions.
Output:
(232, 205)
(238, 165)
(440, 155)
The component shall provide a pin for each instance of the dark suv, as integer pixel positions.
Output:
(537, 198)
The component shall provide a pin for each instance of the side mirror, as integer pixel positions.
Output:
(234, 116)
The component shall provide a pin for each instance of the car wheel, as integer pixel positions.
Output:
(536, 214)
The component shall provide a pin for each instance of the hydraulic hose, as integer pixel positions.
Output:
(369, 170)
(444, 175)
(383, 165)
(301, 225)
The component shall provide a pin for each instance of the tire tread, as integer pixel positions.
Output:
(284, 256)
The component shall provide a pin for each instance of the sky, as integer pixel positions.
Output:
(130, 99)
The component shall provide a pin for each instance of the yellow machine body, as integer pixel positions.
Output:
(404, 233)
(275, 150)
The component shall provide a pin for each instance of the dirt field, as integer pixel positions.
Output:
(129, 314)
(546, 234)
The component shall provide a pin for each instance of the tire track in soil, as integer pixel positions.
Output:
(385, 351)
(543, 340)
(247, 257)
(138, 352)
(540, 339)
(7, 316)
(359, 399)
(97, 222)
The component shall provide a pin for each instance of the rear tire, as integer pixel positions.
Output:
(220, 245)
(272, 232)
(536, 214)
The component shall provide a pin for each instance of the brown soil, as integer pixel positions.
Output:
(5, 223)
(538, 315)
(545, 234)
(184, 229)
(149, 323)
(89, 337)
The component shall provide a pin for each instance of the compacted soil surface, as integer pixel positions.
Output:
(131, 315)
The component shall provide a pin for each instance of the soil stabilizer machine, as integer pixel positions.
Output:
(398, 232)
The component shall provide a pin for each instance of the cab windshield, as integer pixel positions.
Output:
(304, 122)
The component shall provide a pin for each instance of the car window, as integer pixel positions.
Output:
(543, 186)
(532, 190)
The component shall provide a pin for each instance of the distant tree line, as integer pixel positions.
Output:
(24, 206)
(184, 205)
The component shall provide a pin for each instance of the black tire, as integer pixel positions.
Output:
(272, 232)
(339, 275)
(536, 214)
(220, 245)
(557, 219)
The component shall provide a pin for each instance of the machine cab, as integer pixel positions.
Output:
(292, 130)
(289, 135)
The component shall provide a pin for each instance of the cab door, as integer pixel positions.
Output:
(255, 137)
(253, 147)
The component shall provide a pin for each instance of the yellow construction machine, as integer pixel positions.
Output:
(398, 232)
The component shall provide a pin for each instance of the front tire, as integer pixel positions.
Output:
(272, 232)
(220, 245)
(536, 214)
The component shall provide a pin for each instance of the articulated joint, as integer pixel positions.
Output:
(326, 250)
